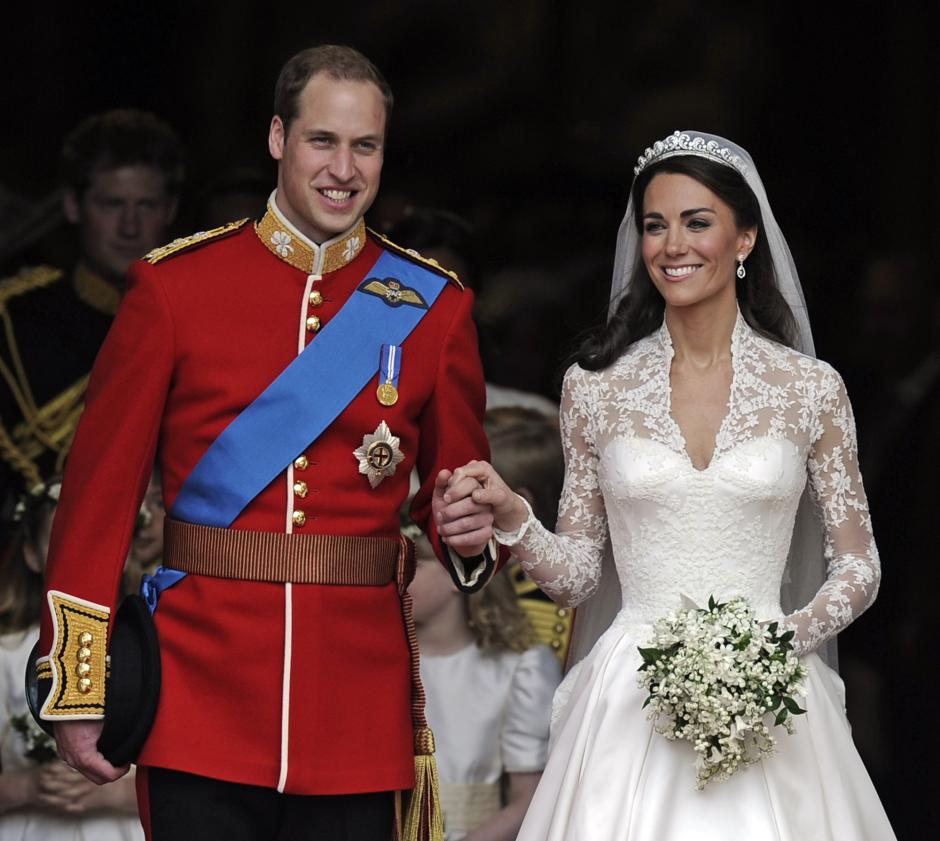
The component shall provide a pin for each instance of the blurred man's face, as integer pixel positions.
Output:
(123, 214)
(330, 159)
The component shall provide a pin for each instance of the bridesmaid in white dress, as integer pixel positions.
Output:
(691, 427)
(489, 690)
(42, 799)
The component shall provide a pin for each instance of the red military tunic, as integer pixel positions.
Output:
(301, 687)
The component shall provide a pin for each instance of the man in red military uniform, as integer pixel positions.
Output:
(275, 686)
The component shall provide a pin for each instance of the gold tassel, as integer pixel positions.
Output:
(424, 819)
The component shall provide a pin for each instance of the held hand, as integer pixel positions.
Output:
(509, 512)
(463, 523)
(78, 747)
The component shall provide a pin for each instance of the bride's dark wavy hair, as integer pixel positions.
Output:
(640, 312)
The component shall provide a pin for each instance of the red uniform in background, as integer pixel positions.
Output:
(301, 687)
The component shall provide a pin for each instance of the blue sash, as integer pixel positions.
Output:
(306, 397)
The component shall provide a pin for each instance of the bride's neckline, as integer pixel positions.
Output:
(739, 334)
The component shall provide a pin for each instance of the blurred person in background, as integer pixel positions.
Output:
(121, 174)
(41, 798)
(449, 238)
(525, 447)
(236, 193)
(489, 692)
(146, 553)
(440, 235)
(523, 318)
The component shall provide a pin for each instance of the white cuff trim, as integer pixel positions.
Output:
(511, 538)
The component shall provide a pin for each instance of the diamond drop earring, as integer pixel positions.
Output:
(741, 272)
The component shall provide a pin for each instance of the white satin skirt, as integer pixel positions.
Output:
(611, 777)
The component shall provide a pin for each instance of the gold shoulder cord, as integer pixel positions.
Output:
(27, 280)
(13, 456)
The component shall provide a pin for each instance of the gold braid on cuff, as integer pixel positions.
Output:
(78, 660)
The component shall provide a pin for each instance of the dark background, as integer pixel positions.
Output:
(526, 118)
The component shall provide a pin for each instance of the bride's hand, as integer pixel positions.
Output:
(509, 512)
(462, 523)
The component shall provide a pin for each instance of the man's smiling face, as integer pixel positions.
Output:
(330, 158)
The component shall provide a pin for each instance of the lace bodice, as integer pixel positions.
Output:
(725, 530)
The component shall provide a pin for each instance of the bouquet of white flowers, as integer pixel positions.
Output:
(39, 746)
(715, 676)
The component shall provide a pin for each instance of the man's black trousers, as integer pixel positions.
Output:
(175, 806)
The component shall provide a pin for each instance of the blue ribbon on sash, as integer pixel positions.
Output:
(151, 586)
(390, 365)
(306, 397)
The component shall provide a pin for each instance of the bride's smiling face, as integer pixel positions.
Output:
(691, 240)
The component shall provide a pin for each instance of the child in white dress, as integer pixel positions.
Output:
(489, 694)
(41, 798)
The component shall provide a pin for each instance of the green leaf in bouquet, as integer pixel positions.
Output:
(650, 655)
(781, 716)
(792, 706)
(773, 701)
(772, 629)
(646, 703)
(786, 636)
(743, 642)
(715, 606)
(42, 753)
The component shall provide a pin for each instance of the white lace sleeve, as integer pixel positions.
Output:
(853, 568)
(567, 564)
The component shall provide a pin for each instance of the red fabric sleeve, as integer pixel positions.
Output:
(452, 423)
(112, 456)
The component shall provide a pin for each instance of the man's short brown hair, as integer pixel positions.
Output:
(119, 138)
(338, 62)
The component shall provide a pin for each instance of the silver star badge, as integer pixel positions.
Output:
(379, 454)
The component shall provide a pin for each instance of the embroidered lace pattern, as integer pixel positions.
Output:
(721, 531)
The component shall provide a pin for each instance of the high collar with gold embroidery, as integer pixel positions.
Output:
(287, 243)
(95, 291)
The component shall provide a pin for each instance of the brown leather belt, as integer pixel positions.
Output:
(281, 557)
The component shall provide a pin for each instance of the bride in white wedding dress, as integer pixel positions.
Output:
(691, 428)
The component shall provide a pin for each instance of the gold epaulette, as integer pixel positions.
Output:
(199, 238)
(415, 257)
(27, 280)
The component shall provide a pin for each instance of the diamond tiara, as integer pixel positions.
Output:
(683, 144)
